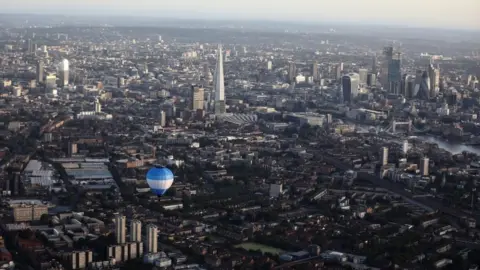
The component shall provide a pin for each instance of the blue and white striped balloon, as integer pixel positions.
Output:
(159, 179)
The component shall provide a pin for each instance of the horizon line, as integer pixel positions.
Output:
(287, 21)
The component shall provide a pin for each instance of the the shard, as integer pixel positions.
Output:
(219, 84)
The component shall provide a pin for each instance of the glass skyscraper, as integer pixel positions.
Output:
(394, 76)
(350, 84)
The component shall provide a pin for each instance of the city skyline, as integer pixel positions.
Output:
(427, 13)
(128, 140)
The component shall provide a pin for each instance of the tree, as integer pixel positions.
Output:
(44, 218)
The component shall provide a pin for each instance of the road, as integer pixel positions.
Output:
(289, 265)
(397, 188)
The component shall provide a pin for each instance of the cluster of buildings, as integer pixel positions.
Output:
(311, 154)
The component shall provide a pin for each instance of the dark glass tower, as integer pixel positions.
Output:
(394, 76)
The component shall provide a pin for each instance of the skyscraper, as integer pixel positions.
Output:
(371, 79)
(394, 75)
(405, 147)
(29, 46)
(136, 231)
(387, 58)
(315, 73)
(269, 65)
(40, 71)
(424, 164)
(384, 156)
(152, 238)
(363, 73)
(350, 85)
(219, 84)
(64, 72)
(422, 88)
(338, 71)
(120, 228)
(51, 81)
(374, 65)
(198, 97)
(292, 72)
(98, 106)
(163, 118)
(434, 76)
(407, 86)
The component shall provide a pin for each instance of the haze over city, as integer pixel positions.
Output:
(239, 135)
(462, 14)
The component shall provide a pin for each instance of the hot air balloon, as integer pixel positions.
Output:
(159, 179)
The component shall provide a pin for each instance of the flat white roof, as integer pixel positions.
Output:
(33, 165)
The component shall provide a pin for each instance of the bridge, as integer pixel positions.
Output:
(391, 128)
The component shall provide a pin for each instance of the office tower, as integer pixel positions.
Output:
(338, 71)
(292, 72)
(269, 65)
(374, 65)
(350, 85)
(424, 163)
(63, 72)
(405, 147)
(198, 97)
(384, 156)
(29, 46)
(417, 82)
(394, 75)
(434, 76)
(219, 84)
(387, 58)
(136, 231)
(98, 106)
(371, 79)
(329, 119)
(315, 73)
(152, 238)
(363, 73)
(403, 85)
(407, 86)
(120, 228)
(40, 71)
(51, 81)
(163, 118)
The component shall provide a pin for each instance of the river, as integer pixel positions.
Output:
(453, 148)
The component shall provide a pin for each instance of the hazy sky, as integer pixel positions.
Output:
(415, 13)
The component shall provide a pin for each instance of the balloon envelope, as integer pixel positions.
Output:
(159, 180)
